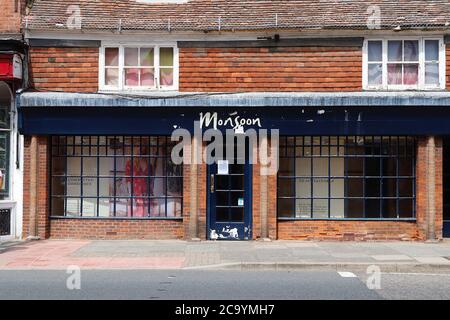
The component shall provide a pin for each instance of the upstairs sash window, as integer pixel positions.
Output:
(128, 68)
(404, 64)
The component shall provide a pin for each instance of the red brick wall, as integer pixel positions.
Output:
(26, 189)
(202, 203)
(42, 181)
(64, 69)
(272, 208)
(422, 190)
(216, 70)
(256, 201)
(270, 200)
(271, 69)
(11, 15)
(447, 59)
(116, 229)
(186, 199)
(219, 69)
(347, 230)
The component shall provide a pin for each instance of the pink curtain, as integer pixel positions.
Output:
(166, 77)
(410, 74)
(140, 187)
(131, 77)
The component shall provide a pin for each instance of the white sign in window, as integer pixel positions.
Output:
(222, 167)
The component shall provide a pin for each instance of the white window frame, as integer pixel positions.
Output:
(10, 202)
(121, 80)
(421, 83)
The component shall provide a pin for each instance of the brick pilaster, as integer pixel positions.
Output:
(36, 188)
(429, 192)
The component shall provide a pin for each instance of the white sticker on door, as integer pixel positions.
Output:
(222, 167)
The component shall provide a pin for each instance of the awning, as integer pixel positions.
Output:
(293, 114)
(249, 100)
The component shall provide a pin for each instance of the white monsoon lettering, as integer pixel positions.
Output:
(233, 120)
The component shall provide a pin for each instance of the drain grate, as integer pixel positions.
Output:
(5, 222)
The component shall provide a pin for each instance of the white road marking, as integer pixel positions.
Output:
(417, 274)
(392, 257)
(440, 260)
(345, 274)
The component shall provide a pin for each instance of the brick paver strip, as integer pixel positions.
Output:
(58, 254)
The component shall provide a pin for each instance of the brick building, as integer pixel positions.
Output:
(13, 64)
(358, 91)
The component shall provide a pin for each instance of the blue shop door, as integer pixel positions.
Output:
(229, 199)
(446, 228)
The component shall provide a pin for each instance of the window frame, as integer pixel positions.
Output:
(5, 193)
(121, 87)
(65, 176)
(381, 198)
(421, 86)
(8, 132)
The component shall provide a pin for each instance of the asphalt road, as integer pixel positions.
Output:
(218, 285)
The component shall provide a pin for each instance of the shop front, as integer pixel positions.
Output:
(348, 167)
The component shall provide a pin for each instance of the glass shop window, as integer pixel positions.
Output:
(115, 176)
(353, 177)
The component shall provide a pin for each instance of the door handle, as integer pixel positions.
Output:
(211, 183)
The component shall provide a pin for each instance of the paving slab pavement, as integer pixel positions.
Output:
(280, 255)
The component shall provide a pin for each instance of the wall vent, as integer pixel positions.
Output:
(5, 222)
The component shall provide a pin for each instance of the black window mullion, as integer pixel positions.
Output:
(364, 183)
(131, 174)
(65, 178)
(329, 178)
(81, 174)
(149, 178)
(114, 174)
(98, 176)
(397, 180)
(312, 177)
(295, 177)
(166, 179)
(414, 176)
(381, 180)
(346, 180)
(52, 147)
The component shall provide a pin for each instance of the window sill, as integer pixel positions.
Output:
(147, 92)
(350, 219)
(404, 89)
(116, 218)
